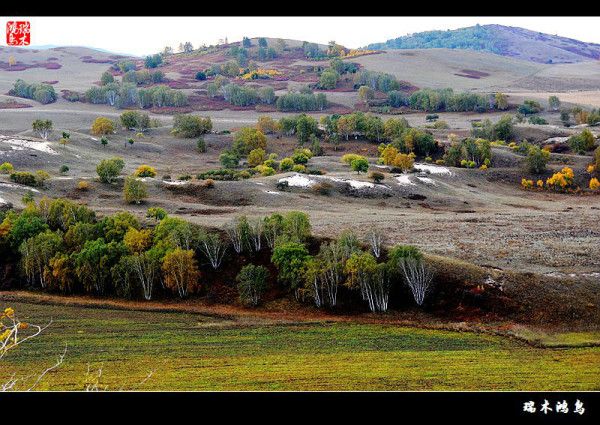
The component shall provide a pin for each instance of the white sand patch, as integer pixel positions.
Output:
(433, 169)
(19, 144)
(259, 183)
(175, 183)
(2, 201)
(426, 180)
(272, 192)
(18, 186)
(404, 180)
(63, 178)
(298, 180)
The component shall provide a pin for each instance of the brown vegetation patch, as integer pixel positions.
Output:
(11, 104)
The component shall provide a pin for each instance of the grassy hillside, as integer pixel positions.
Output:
(502, 40)
(194, 352)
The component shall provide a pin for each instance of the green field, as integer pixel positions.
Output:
(193, 352)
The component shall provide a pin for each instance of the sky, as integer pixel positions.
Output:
(147, 35)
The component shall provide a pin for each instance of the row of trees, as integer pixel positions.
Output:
(436, 100)
(128, 95)
(43, 93)
(63, 246)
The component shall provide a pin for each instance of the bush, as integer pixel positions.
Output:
(156, 213)
(377, 176)
(537, 120)
(109, 169)
(322, 188)
(83, 186)
(349, 157)
(200, 76)
(189, 126)
(229, 159)
(24, 177)
(40, 177)
(360, 165)
(248, 139)
(582, 142)
(64, 169)
(264, 170)
(286, 164)
(299, 168)
(252, 283)
(134, 190)
(103, 125)
(145, 171)
(201, 145)
(256, 157)
(267, 125)
(6, 168)
(537, 159)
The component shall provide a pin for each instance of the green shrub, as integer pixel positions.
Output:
(6, 168)
(24, 177)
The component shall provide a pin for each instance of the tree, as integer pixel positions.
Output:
(503, 129)
(267, 125)
(529, 107)
(537, 159)
(229, 159)
(582, 142)
(306, 126)
(328, 79)
(418, 277)
(133, 120)
(238, 231)
(153, 61)
(94, 262)
(214, 248)
(248, 139)
(252, 283)
(501, 101)
(201, 145)
(370, 278)
(186, 47)
(296, 226)
(189, 126)
(180, 271)
(106, 78)
(36, 253)
(256, 157)
(102, 125)
(290, 259)
(554, 103)
(136, 240)
(109, 169)
(365, 93)
(156, 213)
(42, 127)
(360, 165)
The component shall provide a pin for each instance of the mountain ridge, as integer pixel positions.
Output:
(503, 40)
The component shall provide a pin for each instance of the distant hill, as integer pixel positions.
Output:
(502, 40)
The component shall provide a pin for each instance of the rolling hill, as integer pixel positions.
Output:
(502, 40)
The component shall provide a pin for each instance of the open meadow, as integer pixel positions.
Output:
(196, 352)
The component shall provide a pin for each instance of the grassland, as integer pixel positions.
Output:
(195, 352)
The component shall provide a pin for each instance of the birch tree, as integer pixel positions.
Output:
(419, 278)
(214, 248)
